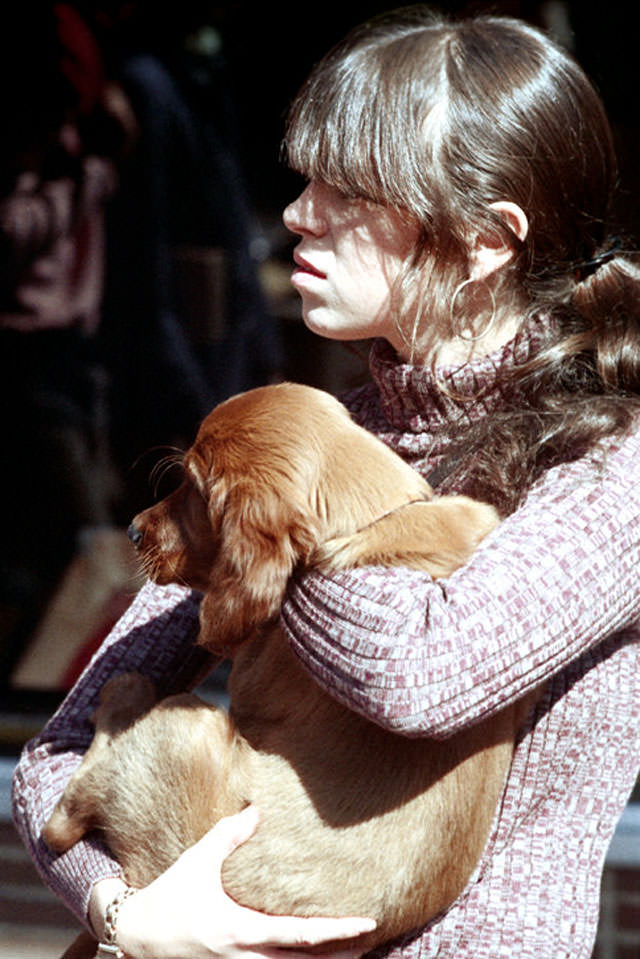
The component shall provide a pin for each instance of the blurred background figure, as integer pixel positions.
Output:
(130, 297)
(56, 176)
(186, 320)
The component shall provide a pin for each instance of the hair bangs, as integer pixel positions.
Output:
(358, 122)
(332, 134)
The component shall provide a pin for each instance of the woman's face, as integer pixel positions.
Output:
(350, 255)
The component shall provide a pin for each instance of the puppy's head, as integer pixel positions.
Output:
(251, 507)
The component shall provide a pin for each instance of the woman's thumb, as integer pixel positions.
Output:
(232, 831)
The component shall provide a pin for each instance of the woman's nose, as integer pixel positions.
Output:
(305, 215)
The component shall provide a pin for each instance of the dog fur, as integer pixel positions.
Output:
(355, 820)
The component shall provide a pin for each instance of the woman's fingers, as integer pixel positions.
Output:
(289, 932)
(272, 953)
(192, 915)
(297, 932)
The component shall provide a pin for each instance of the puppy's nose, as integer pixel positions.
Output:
(134, 534)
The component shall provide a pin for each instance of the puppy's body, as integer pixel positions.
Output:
(354, 820)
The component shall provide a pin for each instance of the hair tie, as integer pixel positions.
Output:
(588, 267)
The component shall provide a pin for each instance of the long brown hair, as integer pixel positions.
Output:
(442, 118)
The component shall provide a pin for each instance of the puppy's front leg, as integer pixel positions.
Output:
(437, 536)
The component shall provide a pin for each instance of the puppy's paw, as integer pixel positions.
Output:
(437, 536)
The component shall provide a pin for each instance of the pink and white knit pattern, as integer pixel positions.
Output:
(551, 599)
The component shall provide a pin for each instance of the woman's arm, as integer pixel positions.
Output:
(185, 911)
(155, 637)
(426, 658)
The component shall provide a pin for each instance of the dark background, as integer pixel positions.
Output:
(270, 48)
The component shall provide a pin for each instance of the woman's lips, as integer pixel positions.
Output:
(304, 266)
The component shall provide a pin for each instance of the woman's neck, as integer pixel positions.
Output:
(458, 351)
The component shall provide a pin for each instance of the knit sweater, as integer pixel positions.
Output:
(550, 601)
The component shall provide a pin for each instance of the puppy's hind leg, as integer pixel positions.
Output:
(122, 700)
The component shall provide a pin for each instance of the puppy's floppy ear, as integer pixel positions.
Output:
(264, 533)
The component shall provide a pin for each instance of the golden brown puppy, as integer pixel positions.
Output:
(354, 820)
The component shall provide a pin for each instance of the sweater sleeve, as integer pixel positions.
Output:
(155, 637)
(428, 658)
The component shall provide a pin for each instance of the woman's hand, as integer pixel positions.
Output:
(185, 913)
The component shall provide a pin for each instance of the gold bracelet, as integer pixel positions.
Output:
(108, 947)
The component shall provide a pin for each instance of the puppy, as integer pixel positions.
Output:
(355, 820)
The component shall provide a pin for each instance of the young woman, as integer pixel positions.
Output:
(457, 209)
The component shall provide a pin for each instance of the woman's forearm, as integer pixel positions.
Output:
(426, 658)
(156, 637)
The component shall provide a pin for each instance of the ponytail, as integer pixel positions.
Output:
(580, 388)
(608, 302)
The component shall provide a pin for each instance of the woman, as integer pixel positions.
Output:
(457, 210)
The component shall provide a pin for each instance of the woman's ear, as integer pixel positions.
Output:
(491, 251)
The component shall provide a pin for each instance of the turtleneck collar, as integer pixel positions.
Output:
(419, 400)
